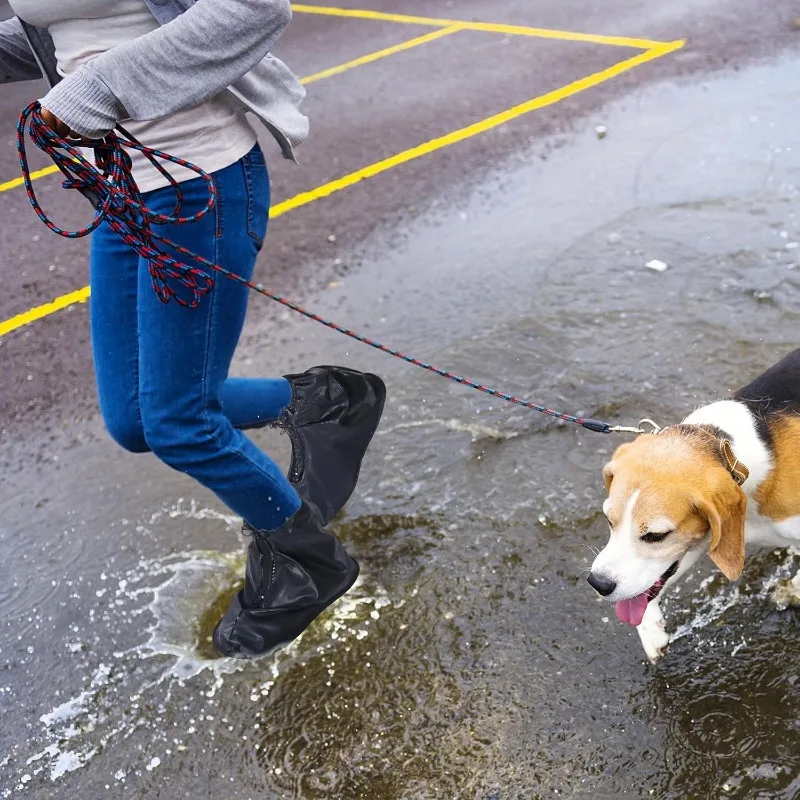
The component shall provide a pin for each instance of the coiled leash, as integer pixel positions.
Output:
(111, 189)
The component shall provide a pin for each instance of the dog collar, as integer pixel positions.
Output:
(738, 471)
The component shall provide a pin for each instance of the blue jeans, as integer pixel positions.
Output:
(162, 369)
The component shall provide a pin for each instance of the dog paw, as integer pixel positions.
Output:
(654, 638)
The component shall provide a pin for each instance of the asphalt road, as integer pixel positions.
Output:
(471, 660)
(358, 118)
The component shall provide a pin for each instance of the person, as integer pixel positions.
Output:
(181, 75)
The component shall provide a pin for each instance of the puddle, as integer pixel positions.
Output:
(471, 660)
(177, 601)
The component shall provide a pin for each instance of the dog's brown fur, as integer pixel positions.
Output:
(682, 478)
(778, 497)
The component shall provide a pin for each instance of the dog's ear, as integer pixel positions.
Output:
(725, 509)
(608, 469)
(608, 475)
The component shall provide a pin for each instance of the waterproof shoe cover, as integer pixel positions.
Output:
(331, 420)
(293, 574)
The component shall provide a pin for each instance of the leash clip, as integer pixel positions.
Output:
(652, 428)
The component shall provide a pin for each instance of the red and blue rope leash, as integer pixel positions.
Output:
(117, 200)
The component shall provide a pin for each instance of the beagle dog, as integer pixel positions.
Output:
(727, 476)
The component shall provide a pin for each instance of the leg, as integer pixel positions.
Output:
(114, 271)
(254, 402)
(185, 353)
(652, 632)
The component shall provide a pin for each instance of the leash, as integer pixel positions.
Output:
(110, 187)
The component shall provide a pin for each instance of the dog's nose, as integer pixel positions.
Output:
(601, 585)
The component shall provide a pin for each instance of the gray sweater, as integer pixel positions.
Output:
(202, 48)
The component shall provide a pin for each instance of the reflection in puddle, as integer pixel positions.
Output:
(185, 594)
(726, 695)
(394, 673)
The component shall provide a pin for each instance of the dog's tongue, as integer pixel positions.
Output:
(632, 611)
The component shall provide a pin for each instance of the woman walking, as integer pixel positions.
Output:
(182, 74)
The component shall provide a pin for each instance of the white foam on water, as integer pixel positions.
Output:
(477, 432)
(194, 581)
(712, 610)
(786, 570)
(354, 608)
(70, 722)
(50, 750)
(66, 711)
(69, 761)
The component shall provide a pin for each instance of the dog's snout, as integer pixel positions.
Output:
(603, 586)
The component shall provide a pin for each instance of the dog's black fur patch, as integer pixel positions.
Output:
(776, 391)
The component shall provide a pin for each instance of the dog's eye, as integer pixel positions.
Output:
(653, 538)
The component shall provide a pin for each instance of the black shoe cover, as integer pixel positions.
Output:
(331, 420)
(293, 574)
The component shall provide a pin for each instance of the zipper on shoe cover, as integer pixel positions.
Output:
(297, 466)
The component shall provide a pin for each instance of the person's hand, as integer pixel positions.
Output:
(61, 128)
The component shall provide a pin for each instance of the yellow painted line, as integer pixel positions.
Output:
(379, 54)
(448, 25)
(486, 27)
(460, 135)
(16, 182)
(327, 189)
(79, 296)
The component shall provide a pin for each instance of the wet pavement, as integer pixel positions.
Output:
(471, 660)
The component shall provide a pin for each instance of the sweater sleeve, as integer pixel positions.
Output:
(16, 59)
(178, 65)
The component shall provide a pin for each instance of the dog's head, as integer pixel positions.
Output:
(669, 496)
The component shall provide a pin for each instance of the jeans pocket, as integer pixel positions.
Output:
(256, 180)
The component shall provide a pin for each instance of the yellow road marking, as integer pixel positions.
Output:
(40, 173)
(327, 189)
(486, 27)
(79, 296)
(378, 54)
(460, 135)
(449, 26)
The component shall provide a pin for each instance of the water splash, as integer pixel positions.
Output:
(183, 594)
(712, 607)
